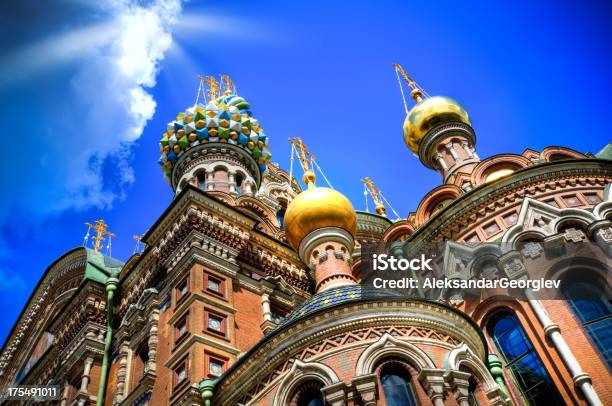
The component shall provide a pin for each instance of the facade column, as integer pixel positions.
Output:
(122, 372)
(335, 394)
(231, 182)
(460, 384)
(151, 364)
(581, 379)
(513, 266)
(265, 303)
(441, 162)
(65, 393)
(365, 386)
(467, 149)
(83, 393)
(433, 382)
(210, 178)
(450, 147)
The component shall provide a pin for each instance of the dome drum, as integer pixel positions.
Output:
(431, 141)
(225, 121)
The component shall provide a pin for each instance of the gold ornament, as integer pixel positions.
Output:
(428, 114)
(318, 208)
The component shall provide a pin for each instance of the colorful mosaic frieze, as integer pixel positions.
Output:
(228, 119)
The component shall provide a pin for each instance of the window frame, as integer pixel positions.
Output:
(179, 297)
(221, 280)
(208, 356)
(220, 317)
(178, 338)
(182, 363)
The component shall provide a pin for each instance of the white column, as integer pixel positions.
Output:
(467, 149)
(85, 380)
(151, 364)
(581, 379)
(441, 162)
(265, 303)
(231, 181)
(450, 147)
(210, 178)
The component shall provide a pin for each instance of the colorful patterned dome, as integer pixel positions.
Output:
(228, 119)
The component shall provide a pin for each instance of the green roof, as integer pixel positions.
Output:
(606, 152)
(100, 267)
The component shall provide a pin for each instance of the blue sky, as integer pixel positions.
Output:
(87, 87)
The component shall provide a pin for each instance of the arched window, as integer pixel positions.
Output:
(586, 299)
(239, 181)
(201, 179)
(309, 394)
(395, 382)
(522, 361)
(280, 216)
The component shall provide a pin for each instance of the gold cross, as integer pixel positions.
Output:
(213, 87)
(417, 92)
(304, 155)
(101, 229)
(228, 84)
(375, 192)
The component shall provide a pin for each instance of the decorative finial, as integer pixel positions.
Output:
(228, 85)
(306, 160)
(376, 194)
(213, 88)
(416, 93)
(138, 247)
(101, 229)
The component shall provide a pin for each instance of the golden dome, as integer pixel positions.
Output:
(429, 113)
(316, 208)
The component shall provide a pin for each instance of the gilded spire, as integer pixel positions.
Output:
(376, 194)
(306, 160)
(416, 92)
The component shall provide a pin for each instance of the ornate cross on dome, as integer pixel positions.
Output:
(417, 92)
(228, 84)
(376, 194)
(101, 229)
(304, 155)
(213, 87)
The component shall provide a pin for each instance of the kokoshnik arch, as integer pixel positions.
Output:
(247, 291)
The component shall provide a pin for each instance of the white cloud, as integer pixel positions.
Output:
(112, 97)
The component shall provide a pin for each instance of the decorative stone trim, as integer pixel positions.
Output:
(301, 372)
(389, 346)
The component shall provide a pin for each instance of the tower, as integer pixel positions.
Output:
(438, 130)
(216, 145)
(320, 224)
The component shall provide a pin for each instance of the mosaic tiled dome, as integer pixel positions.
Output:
(338, 295)
(228, 119)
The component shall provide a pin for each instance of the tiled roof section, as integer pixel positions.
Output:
(335, 296)
(606, 152)
(100, 267)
